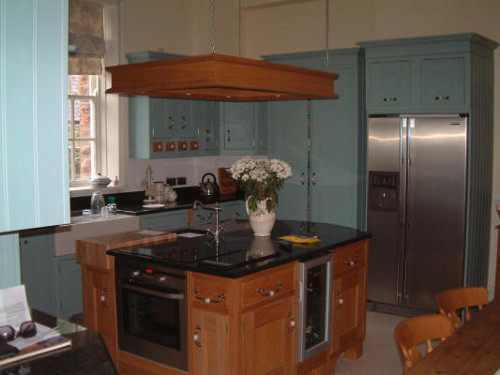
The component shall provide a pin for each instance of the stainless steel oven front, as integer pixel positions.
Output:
(152, 311)
(315, 306)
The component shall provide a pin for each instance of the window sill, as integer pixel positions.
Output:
(82, 191)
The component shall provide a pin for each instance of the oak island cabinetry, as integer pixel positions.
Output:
(241, 319)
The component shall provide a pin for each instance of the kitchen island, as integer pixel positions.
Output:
(241, 302)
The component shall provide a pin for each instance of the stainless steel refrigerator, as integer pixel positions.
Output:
(417, 192)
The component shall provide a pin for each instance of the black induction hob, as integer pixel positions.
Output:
(230, 252)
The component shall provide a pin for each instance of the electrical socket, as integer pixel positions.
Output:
(181, 180)
(171, 181)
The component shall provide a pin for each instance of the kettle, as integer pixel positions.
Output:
(209, 188)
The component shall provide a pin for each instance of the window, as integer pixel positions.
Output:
(83, 101)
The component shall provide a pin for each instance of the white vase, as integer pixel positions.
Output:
(261, 220)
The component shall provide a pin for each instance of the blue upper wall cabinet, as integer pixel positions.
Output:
(34, 179)
(323, 141)
(422, 75)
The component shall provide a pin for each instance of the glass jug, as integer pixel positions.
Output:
(96, 204)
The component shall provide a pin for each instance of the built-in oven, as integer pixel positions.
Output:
(315, 306)
(152, 311)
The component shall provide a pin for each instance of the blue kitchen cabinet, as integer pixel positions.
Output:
(233, 210)
(327, 159)
(53, 284)
(69, 300)
(288, 141)
(202, 216)
(34, 182)
(208, 118)
(420, 75)
(442, 82)
(164, 220)
(390, 85)
(238, 127)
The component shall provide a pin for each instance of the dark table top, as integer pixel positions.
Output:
(87, 354)
(239, 252)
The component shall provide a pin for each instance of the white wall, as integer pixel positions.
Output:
(280, 26)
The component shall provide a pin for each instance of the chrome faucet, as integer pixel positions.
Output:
(218, 228)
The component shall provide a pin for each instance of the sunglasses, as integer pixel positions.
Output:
(27, 329)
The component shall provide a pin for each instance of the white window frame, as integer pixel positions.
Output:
(95, 119)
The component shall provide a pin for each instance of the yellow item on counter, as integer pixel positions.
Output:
(300, 239)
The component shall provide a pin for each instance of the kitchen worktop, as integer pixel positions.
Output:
(131, 203)
(239, 253)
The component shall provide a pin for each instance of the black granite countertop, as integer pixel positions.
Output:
(87, 354)
(131, 203)
(239, 253)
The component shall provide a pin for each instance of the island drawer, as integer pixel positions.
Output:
(209, 290)
(270, 284)
(349, 257)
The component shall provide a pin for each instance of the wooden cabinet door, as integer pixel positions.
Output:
(388, 84)
(269, 339)
(349, 312)
(288, 141)
(442, 82)
(99, 305)
(209, 343)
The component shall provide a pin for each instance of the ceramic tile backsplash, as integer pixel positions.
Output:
(191, 168)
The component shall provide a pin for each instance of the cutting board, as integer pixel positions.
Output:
(227, 185)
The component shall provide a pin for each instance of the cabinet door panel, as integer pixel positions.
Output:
(211, 356)
(288, 141)
(164, 220)
(33, 115)
(269, 346)
(442, 82)
(335, 153)
(239, 126)
(389, 84)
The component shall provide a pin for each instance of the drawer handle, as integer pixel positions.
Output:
(196, 336)
(390, 99)
(220, 297)
(229, 135)
(291, 325)
(184, 122)
(208, 136)
(271, 293)
(442, 97)
(351, 263)
(170, 122)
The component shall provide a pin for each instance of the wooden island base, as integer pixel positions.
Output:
(247, 332)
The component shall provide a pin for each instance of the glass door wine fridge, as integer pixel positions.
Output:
(315, 313)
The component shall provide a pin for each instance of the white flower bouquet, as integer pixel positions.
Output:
(260, 180)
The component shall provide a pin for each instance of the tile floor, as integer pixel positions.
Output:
(380, 353)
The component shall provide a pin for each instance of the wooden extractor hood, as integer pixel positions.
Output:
(221, 77)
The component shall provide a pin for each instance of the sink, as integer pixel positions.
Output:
(84, 226)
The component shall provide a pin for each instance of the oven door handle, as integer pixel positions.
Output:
(153, 292)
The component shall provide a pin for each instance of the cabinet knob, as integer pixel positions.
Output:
(390, 99)
(351, 263)
(340, 301)
(196, 336)
(291, 324)
(103, 297)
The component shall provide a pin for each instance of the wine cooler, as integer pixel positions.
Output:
(315, 313)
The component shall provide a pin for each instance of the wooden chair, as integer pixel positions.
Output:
(450, 301)
(420, 329)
